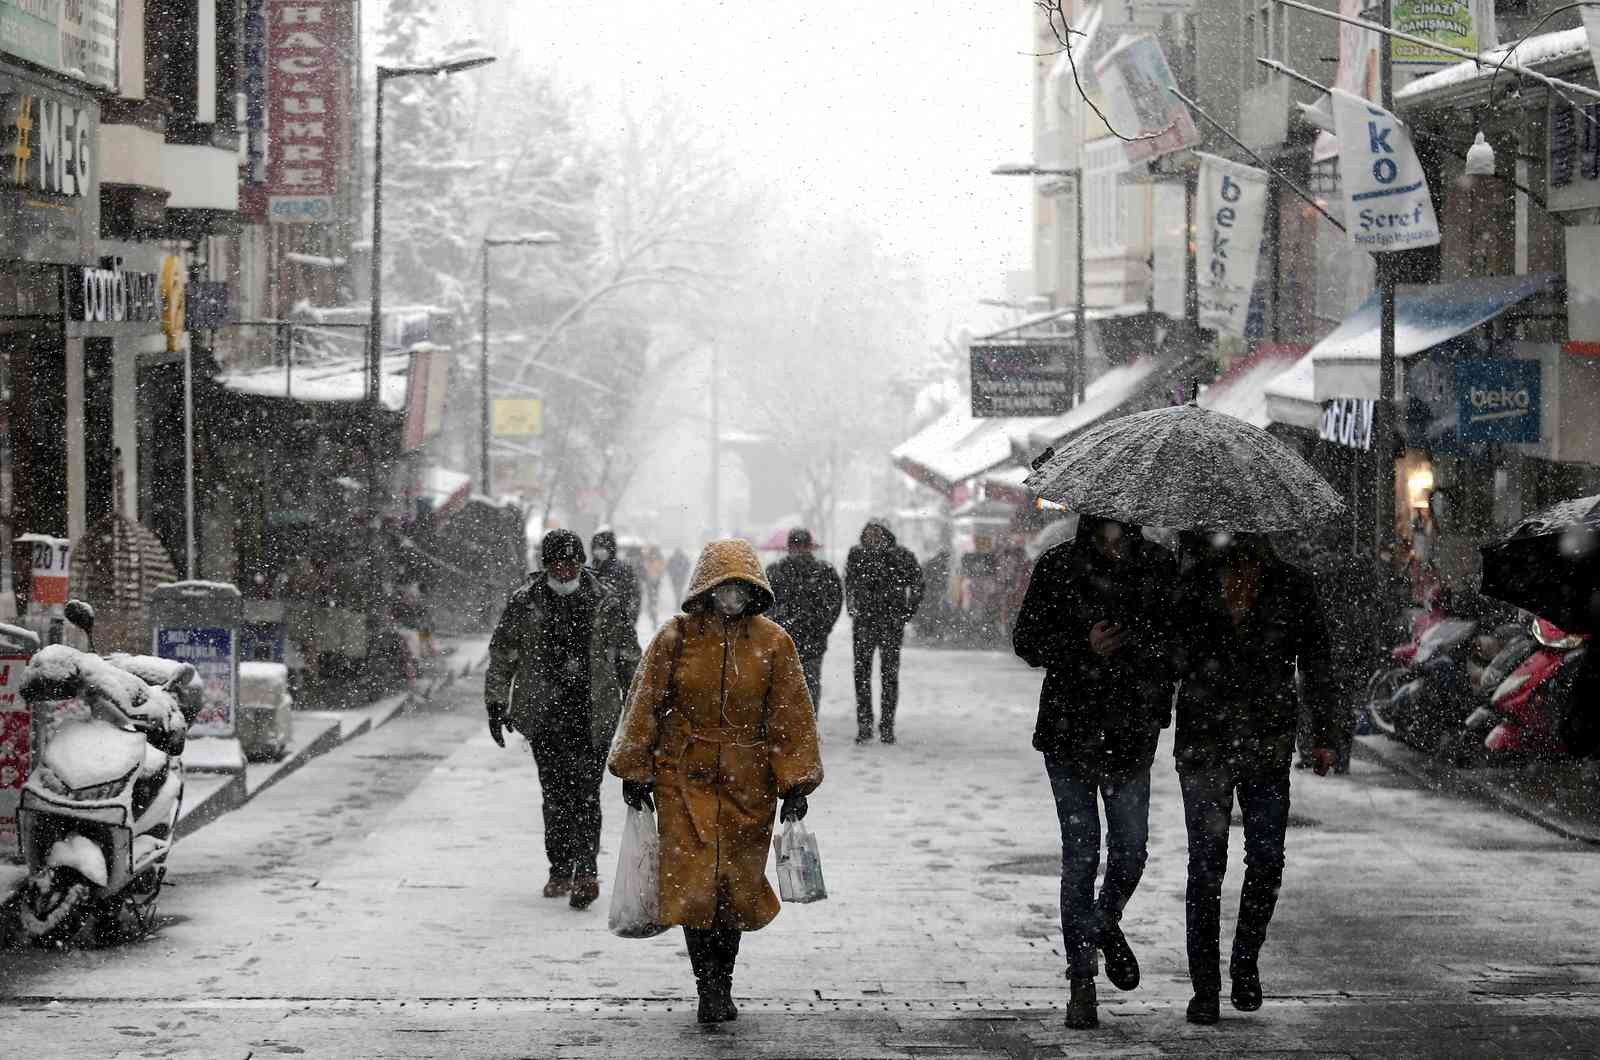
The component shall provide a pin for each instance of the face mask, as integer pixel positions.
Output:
(730, 600)
(563, 588)
(601, 555)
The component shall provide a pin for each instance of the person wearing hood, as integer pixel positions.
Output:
(718, 729)
(1095, 619)
(561, 657)
(882, 590)
(809, 596)
(619, 578)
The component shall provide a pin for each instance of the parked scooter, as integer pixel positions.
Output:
(99, 811)
(1423, 698)
(1524, 712)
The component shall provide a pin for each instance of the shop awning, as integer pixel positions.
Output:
(1103, 397)
(1242, 392)
(1463, 81)
(1069, 315)
(1345, 364)
(958, 446)
(1291, 396)
(339, 381)
(445, 490)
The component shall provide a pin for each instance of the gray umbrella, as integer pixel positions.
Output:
(1185, 468)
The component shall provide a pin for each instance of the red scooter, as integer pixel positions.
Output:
(1523, 715)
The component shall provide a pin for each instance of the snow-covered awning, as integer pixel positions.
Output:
(445, 490)
(1102, 398)
(958, 446)
(341, 381)
(1291, 397)
(1242, 392)
(1346, 361)
(1090, 315)
(1461, 81)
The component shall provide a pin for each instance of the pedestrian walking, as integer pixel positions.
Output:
(560, 659)
(719, 727)
(882, 590)
(1246, 622)
(809, 597)
(1349, 586)
(652, 566)
(677, 571)
(617, 576)
(1095, 618)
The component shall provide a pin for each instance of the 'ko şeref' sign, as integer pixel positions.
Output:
(309, 50)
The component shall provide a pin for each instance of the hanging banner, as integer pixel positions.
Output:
(1591, 29)
(1387, 205)
(1137, 80)
(1230, 211)
(310, 51)
(1357, 75)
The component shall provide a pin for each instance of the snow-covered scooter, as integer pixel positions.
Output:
(99, 811)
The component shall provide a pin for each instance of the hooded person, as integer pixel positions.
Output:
(618, 577)
(718, 728)
(809, 596)
(560, 659)
(882, 590)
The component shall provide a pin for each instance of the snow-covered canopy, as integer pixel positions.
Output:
(341, 381)
(1535, 52)
(1242, 392)
(1101, 398)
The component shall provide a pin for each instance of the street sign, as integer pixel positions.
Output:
(517, 417)
(1028, 378)
(1497, 401)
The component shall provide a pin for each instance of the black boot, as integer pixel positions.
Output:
(1122, 967)
(1082, 1007)
(727, 950)
(1246, 978)
(1204, 1009)
(703, 959)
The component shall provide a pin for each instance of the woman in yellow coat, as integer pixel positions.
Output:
(718, 728)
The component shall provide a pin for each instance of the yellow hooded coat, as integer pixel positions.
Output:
(722, 734)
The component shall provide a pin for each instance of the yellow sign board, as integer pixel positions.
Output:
(517, 417)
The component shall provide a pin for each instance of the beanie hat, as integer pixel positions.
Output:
(561, 546)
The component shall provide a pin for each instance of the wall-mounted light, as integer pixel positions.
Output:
(1480, 158)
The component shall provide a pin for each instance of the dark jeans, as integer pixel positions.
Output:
(1207, 810)
(570, 770)
(811, 666)
(867, 637)
(1127, 838)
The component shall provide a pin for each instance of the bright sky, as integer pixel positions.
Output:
(893, 111)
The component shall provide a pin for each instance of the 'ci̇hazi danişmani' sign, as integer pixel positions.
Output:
(1021, 379)
(309, 48)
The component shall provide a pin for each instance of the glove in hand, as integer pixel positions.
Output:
(499, 722)
(636, 793)
(794, 808)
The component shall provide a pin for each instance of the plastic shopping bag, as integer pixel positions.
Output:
(799, 865)
(636, 893)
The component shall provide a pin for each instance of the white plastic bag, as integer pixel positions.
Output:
(799, 865)
(636, 893)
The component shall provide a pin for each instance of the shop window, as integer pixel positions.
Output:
(161, 463)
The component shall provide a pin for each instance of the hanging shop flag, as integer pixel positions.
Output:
(1230, 210)
(1357, 74)
(1387, 205)
(1137, 83)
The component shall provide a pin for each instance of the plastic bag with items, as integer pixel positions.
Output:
(636, 894)
(799, 865)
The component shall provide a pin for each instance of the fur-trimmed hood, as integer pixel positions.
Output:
(730, 559)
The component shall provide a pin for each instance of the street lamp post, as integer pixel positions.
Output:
(1075, 174)
(537, 239)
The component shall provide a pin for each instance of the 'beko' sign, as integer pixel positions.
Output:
(48, 144)
(309, 47)
(1497, 401)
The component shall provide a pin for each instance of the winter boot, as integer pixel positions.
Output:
(585, 889)
(1122, 967)
(1204, 1009)
(1082, 1010)
(1246, 978)
(559, 885)
(727, 952)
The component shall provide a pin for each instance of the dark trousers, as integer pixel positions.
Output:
(570, 770)
(1207, 809)
(1127, 806)
(882, 637)
(811, 666)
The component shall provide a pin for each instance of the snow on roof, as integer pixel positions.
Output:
(341, 381)
(1242, 393)
(1291, 396)
(958, 445)
(1101, 398)
(1535, 51)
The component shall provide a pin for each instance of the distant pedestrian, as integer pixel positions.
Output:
(619, 578)
(651, 567)
(882, 589)
(562, 656)
(1095, 617)
(718, 728)
(1246, 622)
(810, 597)
(678, 572)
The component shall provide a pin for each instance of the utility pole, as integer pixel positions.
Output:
(1383, 511)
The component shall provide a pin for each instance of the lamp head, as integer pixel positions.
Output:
(1480, 158)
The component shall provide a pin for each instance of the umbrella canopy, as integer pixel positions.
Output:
(1186, 468)
(1550, 564)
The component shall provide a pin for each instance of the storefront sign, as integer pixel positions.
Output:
(427, 382)
(73, 38)
(52, 564)
(1583, 291)
(207, 305)
(1387, 203)
(1573, 142)
(15, 743)
(112, 295)
(49, 143)
(210, 652)
(1230, 209)
(1447, 22)
(1021, 379)
(253, 116)
(517, 417)
(309, 49)
(174, 301)
(1497, 401)
(1136, 81)
(1348, 422)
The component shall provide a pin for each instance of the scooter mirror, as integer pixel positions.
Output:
(81, 615)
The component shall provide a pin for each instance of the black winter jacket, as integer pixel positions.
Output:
(1101, 714)
(882, 583)
(621, 581)
(809, 597)
(1238, 704)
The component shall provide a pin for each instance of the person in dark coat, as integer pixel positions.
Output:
(882, 589)
(809, 596)
(562, 656)
(1095, 618)
(620, 580)
(678, 571)
(1245, 622)
(1349, 586)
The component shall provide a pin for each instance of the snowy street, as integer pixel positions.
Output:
(384, 902)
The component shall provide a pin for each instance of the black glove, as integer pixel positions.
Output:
(498, 721)
(636, 793)
(794, 807)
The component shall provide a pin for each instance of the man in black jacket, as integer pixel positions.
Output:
(1095, 618)
(1245, 621)
(809, 596)
(621, 580)
(882, 589)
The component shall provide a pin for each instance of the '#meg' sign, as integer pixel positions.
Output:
(1497, 401)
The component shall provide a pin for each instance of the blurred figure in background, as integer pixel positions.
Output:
(883, 589)
(619, 578)
(809, 596)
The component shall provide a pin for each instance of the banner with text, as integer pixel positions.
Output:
(1230, 212)
(1022, 379)
(310, 49)
(1387, 205)
(1137, 80)
(74, 38)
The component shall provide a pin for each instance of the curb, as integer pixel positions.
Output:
(1435, 775)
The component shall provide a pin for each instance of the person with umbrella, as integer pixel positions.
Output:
(1094, 618)
(1245, 623)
